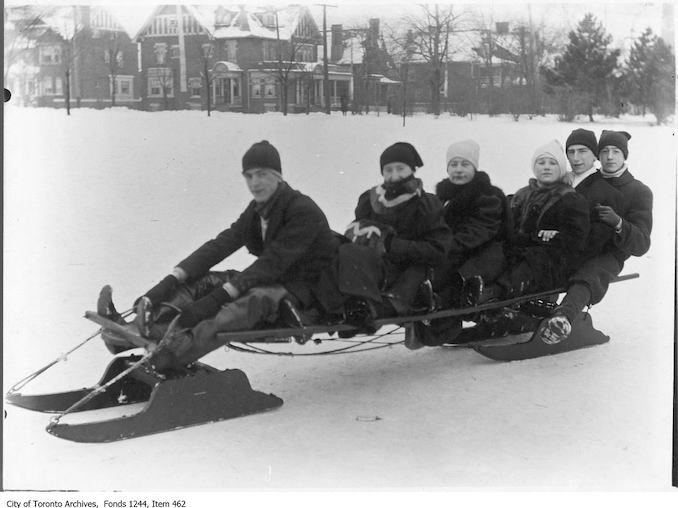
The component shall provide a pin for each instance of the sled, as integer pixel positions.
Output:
(190, 396)
(197, 394)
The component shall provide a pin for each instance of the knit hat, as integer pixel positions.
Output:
(552, 149)
(583, 137)
(261, 155)
(619, 139)
(401, 152)
(467, 149)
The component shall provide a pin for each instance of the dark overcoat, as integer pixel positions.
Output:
(297, 247)
(549, 263)
(598, 191)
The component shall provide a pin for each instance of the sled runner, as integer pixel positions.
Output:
(196, 394)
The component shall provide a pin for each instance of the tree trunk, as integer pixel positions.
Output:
(67, 94)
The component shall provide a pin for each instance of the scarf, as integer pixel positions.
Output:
(458, 200)
(616, 174)
(265, 208)
(537, 199)
(386, 197)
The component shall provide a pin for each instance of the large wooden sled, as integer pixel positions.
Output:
(199, 394)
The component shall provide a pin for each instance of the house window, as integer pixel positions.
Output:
(160, 81)
(208, 50)
(175, 51)
(50, 55)
(269, 90)
(118, 57)
(230, 49)
(195, 86)
(160, 50)
(122, 86)
(51, 85)
(256, 88)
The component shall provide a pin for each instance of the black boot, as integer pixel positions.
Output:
(105, 306)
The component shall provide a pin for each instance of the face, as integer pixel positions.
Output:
(460, 171)
(395, 171)
(547, 170)
(611, 158)
(581, 158)
(262, 183)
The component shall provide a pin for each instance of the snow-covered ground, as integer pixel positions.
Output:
(119, 196)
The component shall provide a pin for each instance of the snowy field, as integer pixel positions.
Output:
(120, 196)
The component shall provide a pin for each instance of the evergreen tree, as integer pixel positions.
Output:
(585, 67)
(649, 75)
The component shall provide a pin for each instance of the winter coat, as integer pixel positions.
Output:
(598, 191)
(297, 247)
(565, 211)
(475, 213)
(634, 239)
(421, 235)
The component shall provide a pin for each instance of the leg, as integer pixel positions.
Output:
(587, 287)
(254, 307)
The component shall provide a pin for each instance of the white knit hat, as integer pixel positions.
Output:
(552, 149)
(467, 149)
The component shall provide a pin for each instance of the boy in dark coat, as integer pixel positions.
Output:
(581, 148)
(408, 223)
(550, 226)
(630, 237)
(283, 228)
(475, 213)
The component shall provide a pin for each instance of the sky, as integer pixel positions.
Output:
(624, 20)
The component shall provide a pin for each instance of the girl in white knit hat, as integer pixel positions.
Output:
(475, 211)
(550, 226)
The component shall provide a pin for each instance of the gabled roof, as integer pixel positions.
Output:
(204, 15)
(244, 25)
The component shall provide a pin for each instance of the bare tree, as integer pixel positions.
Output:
(286, 56)
(20, 33)
(113, 55)
(431, 31)
(207, 52)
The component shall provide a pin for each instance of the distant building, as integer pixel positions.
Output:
(79, 53)
(362, 52)
(251, 60)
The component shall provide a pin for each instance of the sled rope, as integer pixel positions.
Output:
(344, 350)
(61, 358)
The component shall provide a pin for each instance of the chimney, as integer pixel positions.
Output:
(373, 33)
(337, 44)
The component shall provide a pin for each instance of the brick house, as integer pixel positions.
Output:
(375, 83)
(79, 53)
(250, 60)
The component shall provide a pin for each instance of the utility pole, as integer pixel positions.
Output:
(326, 77)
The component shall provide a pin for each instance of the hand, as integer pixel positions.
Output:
(607, 215)
(547, 234)
(204, 308)
(162, 291)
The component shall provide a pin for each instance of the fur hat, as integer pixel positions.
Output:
(401, 152)
(620, 139)
(467, 149)
(583, 137)
(261, 155)
(552, 149)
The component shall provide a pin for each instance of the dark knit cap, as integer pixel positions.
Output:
(620, 139)
(261, 155)
(401, 152)
(582, 137)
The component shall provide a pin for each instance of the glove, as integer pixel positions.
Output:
(608, 216)
(204, 308)
(162, 291)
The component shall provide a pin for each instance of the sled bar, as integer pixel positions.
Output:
(264, 334)
(137, 340)
(195, 396)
